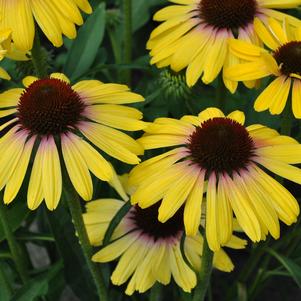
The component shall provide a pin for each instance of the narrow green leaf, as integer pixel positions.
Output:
(115, 222)
(17, 212)
(242, 292)
(293, 268)
(5, 286)
(38, 286)
(68, 246)
(84, 49)
(142, 12)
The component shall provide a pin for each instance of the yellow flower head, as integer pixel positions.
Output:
(282, 61)
(54, 17)
(52, 117)
(218, 149)
(194, 34)
(149, 250)
(7, 49)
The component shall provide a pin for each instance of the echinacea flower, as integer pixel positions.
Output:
(149, 251)
(53, 17)
(219, 149)
(194, 34)
(51, 121)
(282, 62)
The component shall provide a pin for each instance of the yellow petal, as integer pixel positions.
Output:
(193, 206)
(296, 98)
(60, 76)
(94, 160)
(212, 233)
(274, 96)
(238, 116)
(243, 210)
(215, 59)
(224, 214)
(282, 169)
(51, 173)
(35, 194)
(77, 168)
(182, 274)
(115, 249)
(16, 179)
(265, 35)
(177, 194)
(210, 113)
(28, 80)
(46, 18)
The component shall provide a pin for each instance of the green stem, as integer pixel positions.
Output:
(127, 38)
(38, 58)
(155, 293)
(4, 283)
(287, 120)
(220, 93)
(73, 201)
(205, 273)
(14, 247)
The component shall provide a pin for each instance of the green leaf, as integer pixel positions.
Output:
(5, 285)
(38, 286)
(242, 292)
(115, 222)
(76, 272)
(293, 268)
(141, 12)
(84, 49)
(16, 212)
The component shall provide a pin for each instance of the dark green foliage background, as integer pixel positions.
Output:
(264, 271)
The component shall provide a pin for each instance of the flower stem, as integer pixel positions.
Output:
(221, 91)
(14, 247)
(73, 201)
(38, 58)
(287, 120)
(205, 273)
(127, 38)
(4, 283)
(155, 293)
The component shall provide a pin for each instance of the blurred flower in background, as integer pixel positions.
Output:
(148, 250)
(283, 61)
(194, 34)
(7, 49)
(54, 18)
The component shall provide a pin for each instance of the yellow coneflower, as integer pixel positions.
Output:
(149, 251)
(53, 17)
(194, 34)
(7, 49)
(218, 149)
(282, 61)
(53, 117)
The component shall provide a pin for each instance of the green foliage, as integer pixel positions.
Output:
(85, 48)
(38, 286)
(17, 212)
(97, 52)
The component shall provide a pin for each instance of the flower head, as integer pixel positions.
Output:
(216, 153)
(50, 117)
(282, 62)
(194, 34)
(55, 18)
(7, 49)
(149, 250)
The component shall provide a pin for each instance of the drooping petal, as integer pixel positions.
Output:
(51, 173)
(77, 168)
